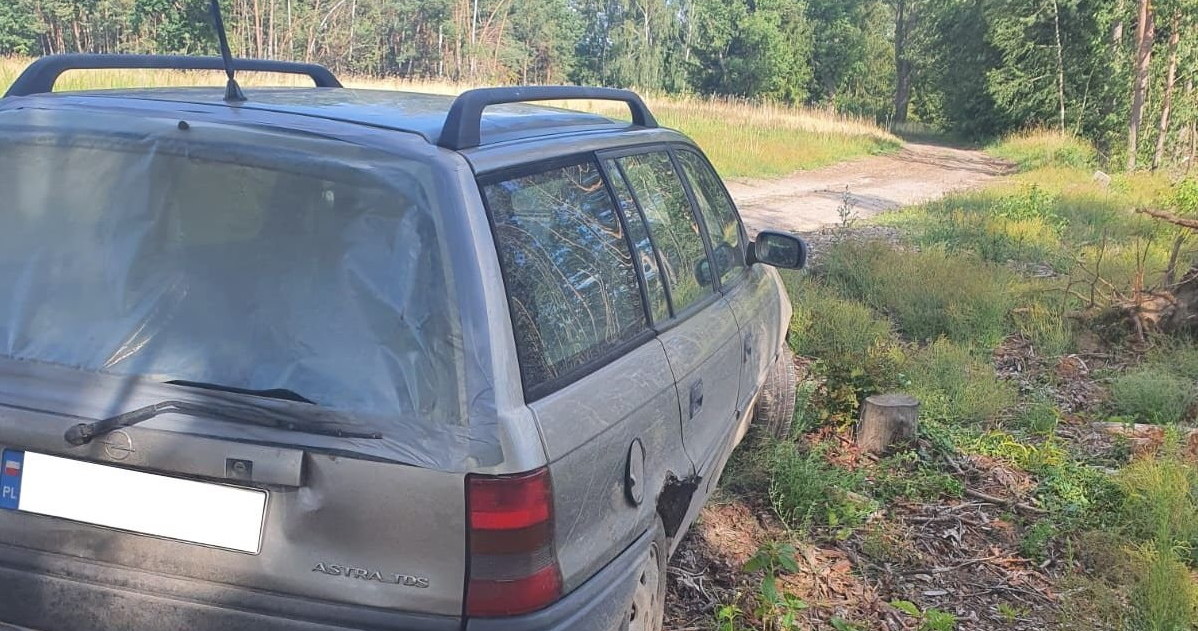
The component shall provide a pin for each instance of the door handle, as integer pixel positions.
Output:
(696, 398)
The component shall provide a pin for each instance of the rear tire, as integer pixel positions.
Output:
(648, 608)
(776, 406)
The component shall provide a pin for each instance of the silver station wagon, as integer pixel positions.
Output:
(339, 359)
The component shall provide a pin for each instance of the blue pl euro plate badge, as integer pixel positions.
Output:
(12, 463)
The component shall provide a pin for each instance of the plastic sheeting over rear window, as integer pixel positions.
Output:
(250, 259)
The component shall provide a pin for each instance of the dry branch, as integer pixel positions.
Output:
(1176, 220)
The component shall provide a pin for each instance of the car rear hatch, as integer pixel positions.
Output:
(214, 271)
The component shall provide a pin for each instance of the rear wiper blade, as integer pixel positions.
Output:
(284, 394)
(83, 433)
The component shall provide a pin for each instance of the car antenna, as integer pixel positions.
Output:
(233, 93)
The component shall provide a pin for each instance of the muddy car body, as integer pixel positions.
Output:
(342, 359)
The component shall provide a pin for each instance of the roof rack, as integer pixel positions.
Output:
(41, 75)
(463, 124)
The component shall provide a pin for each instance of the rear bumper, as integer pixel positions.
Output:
(47, 592)
(599, 604)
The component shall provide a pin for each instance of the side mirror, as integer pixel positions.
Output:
(779, 249)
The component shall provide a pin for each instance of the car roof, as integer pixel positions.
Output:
(412, 112)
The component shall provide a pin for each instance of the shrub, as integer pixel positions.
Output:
(1152, 395)
(1161, 501)
(857, 352)
(930, 293)
(1165, 596)
(1160, 509)
(806, 491)
(1179, 357)
(1183, 197)
(954, 386)
(829, 327)
(1032, 202)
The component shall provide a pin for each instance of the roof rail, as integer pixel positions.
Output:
(42, 74)
(463, 124)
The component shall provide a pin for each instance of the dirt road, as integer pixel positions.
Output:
(809, 200)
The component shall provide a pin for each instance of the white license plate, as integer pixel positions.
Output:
(146, 503)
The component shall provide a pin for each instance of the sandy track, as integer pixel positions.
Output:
(809, 200)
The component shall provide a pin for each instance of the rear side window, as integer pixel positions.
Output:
(718, 214)
(571, 284)
(672, 224)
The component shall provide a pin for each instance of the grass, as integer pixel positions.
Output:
(1161, 501)
(766, 140)
(1037, 148)
(1046, 327)
(1152, 395)
(953, 384)
(1015, 262)
(1165, 596)
(808, 492)
(1178, 357)
(829, 326)
(1160, 512)
(859, 353)
(929, 293)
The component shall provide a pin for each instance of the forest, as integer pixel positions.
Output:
(1118, 72)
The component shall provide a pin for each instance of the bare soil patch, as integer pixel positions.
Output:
(808, 200)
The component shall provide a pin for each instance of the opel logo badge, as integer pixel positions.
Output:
(118, 445)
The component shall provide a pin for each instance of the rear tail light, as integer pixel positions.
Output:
(513, 565)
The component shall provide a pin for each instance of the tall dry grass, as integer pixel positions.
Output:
(743, 139)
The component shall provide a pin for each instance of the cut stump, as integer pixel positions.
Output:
(887, 420)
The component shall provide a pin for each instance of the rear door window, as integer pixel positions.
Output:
(572, 287)
(672, 224)
(655, 290)
(719, 215)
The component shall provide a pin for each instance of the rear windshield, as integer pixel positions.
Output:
(216, 257)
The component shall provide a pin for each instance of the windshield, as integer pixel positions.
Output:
(252, 260)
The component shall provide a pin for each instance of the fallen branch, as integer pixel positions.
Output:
(1176, 220)
(942, 570)
(1023, 506)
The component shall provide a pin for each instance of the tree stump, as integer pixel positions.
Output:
(887, 420)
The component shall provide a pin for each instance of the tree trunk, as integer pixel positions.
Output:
(1056, 25)
(902, 64)
(1170, 79)
(353, 25)
(1145, 32)
(258, 48)
(1117, 28)
(887, 420)
(1193, 128)
(474, 43)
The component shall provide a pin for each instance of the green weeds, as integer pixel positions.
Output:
(954, 385)
(1035, 262)
(808, 492)
(929, 293)
(1039, 148)
(1152, 395)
